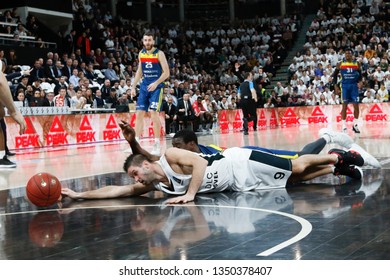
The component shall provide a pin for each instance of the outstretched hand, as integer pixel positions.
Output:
(180, 199)
(69, 193)
(127, 131)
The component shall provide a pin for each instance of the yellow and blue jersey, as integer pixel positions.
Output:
(213, 149)
(349, 71)
(151, 67)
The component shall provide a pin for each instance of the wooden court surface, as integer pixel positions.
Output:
(327, 218)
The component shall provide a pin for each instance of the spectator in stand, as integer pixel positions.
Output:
(61, 99)
(84, 44)
(383, 93)
(37, 72)
(110, 73)
(70, 42)
(74, 78)
(170, 116)
(99, 101)
(369, 97)
(78, 101)
(113, 98)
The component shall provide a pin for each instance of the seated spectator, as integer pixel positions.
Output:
(123, 104)
(113, 98)
(205, 118)
(383, 93)
(61, 99)
(223, 104)
(170, 116)
(269, 103)
(369, 96)
(74, 78)
(78, 101)
(110, 73)
(98, 101)
(184, 111)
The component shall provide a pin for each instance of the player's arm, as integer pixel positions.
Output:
(138, 75)
(253, 91)
(165, 68)
(165, 71)
(129, 134)
(335, 77)
(185, 159)
(109, 192)
(7, 101)
(360, 78)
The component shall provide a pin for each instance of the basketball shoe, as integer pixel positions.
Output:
(6, 163)
(355, 128)
(368, 159)
(349, 170)
(346, 158)
(336, 137)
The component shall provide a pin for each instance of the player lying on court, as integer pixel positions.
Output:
(185, 173)
(187, 140)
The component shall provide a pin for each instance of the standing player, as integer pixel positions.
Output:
(154, 70)
(351, 75)
(6, 101)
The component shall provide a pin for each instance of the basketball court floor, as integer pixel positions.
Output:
(329, 218)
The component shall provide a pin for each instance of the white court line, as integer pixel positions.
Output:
(306, 227)
(305, 230)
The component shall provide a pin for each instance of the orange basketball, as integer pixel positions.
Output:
(43, 189)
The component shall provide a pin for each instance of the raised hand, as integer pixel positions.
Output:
(127, 131)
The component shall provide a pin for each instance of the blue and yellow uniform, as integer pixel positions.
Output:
(213, 149)
(350, 76)
(151, 70)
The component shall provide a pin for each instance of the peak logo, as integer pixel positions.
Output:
(349, 117)
(111, 132)
(223, 122)
(376, 114)
(57, 134)
(317, 116)
(273, 121)
(86, 133)
(30, 138)
(262, 121)
(289, 118)
(237, 123)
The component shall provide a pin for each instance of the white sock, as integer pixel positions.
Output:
(355, 122)
(326, 138)
(2, 154)
(344, 123)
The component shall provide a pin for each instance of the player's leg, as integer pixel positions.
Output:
(4, 161)
(141, 109)
(356, 113)
(139, 123)
(344, 106)
(155, 101)
(336, 137)
(342, 163)
(312, 172)
(245, 117)
(253, 114)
